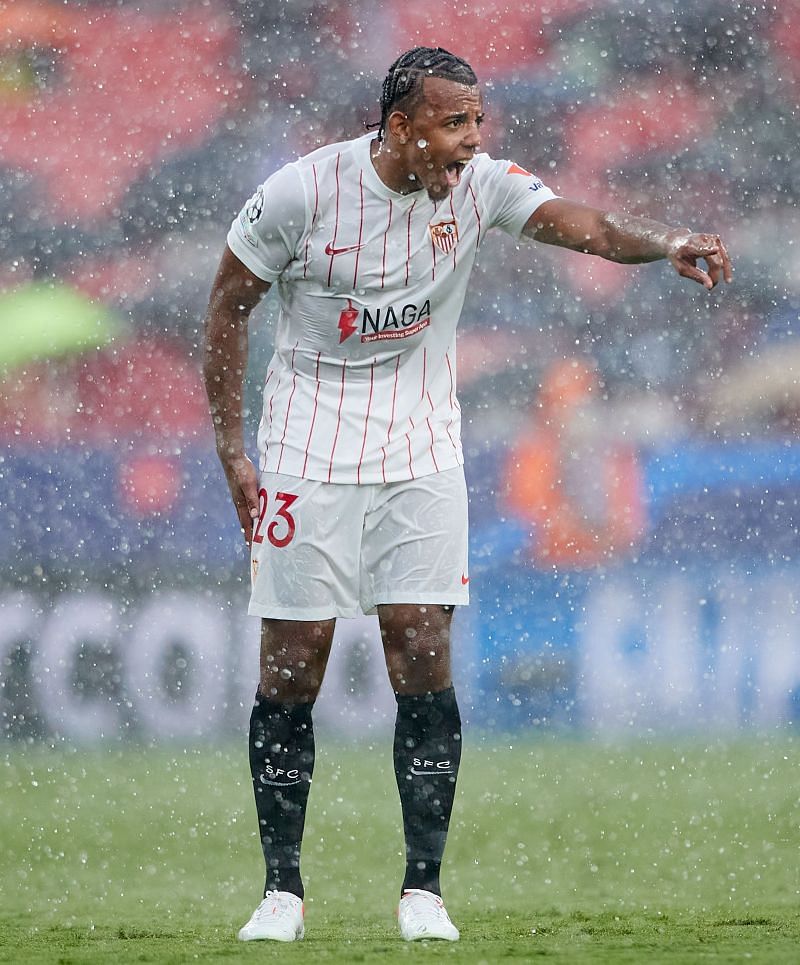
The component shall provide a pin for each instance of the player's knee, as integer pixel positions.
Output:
(292, 673)
(406, 622)
(288, 688)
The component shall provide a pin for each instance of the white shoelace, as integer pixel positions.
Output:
(274, 907)
(426, 906)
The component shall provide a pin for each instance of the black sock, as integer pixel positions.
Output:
(281, 762)
(427, 752)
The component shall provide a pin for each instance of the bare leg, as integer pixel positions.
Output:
(416, 644)
(294, 656)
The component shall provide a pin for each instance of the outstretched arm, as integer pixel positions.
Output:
(235, 293)
(629, 240)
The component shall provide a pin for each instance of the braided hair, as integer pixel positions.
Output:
(403, 82)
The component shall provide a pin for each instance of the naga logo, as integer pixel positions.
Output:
(382, 323)
(347, 319)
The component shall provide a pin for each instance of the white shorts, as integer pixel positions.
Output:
(323, 550)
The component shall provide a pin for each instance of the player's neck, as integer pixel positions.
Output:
(391, 169)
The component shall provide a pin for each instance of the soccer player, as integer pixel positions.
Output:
(359, 503)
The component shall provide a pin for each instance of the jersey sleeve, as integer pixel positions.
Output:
(510, 194)
(265, 233)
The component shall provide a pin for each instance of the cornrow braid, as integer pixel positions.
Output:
(403, 82)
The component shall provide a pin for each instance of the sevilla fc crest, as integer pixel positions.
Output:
(444, 235)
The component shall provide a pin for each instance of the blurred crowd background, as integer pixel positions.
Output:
(612, 413)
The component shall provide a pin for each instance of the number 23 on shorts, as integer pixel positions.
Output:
(281, 528)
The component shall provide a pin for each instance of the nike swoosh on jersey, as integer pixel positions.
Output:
(464, 580)
(330, 250)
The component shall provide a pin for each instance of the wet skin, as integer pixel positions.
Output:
(422, 150)
(416, 647)
(442, 130)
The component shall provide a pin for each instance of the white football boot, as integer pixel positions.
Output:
(278, 918)
(422, 914)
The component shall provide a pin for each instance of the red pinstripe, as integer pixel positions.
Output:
(453, 216)
(408, 241)
(272, 396)
(313, 416)
(452, 401)
(385, 235)
(336, 226)
(430, 430)
(475, 206)
(288, 407)
(366, 420)
(338, 420)
(450, 370)
(263, 462)
(277, 386)
(430, 403)
(433, 246)
(391, 421)
(313, 217)
(360, 225)
(410, 467)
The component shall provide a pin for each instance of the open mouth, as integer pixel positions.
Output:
(453, 172)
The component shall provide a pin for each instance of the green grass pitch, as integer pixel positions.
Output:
(568, 851)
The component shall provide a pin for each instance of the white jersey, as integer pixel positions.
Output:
(362, 385)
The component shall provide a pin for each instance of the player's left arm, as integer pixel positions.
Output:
(629, 240)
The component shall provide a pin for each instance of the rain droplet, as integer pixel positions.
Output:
(422, 143)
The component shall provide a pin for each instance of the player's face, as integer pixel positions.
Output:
(443, 135)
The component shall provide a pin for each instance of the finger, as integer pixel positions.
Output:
(710, 246)
(244, 486)
(250, 509)
(727, 267)
(243, 512)
(714, 268)
(250, 495)
(688, 270)
(246, 523)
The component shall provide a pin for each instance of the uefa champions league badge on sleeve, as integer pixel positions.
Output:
(250, 215)
(255, 206)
